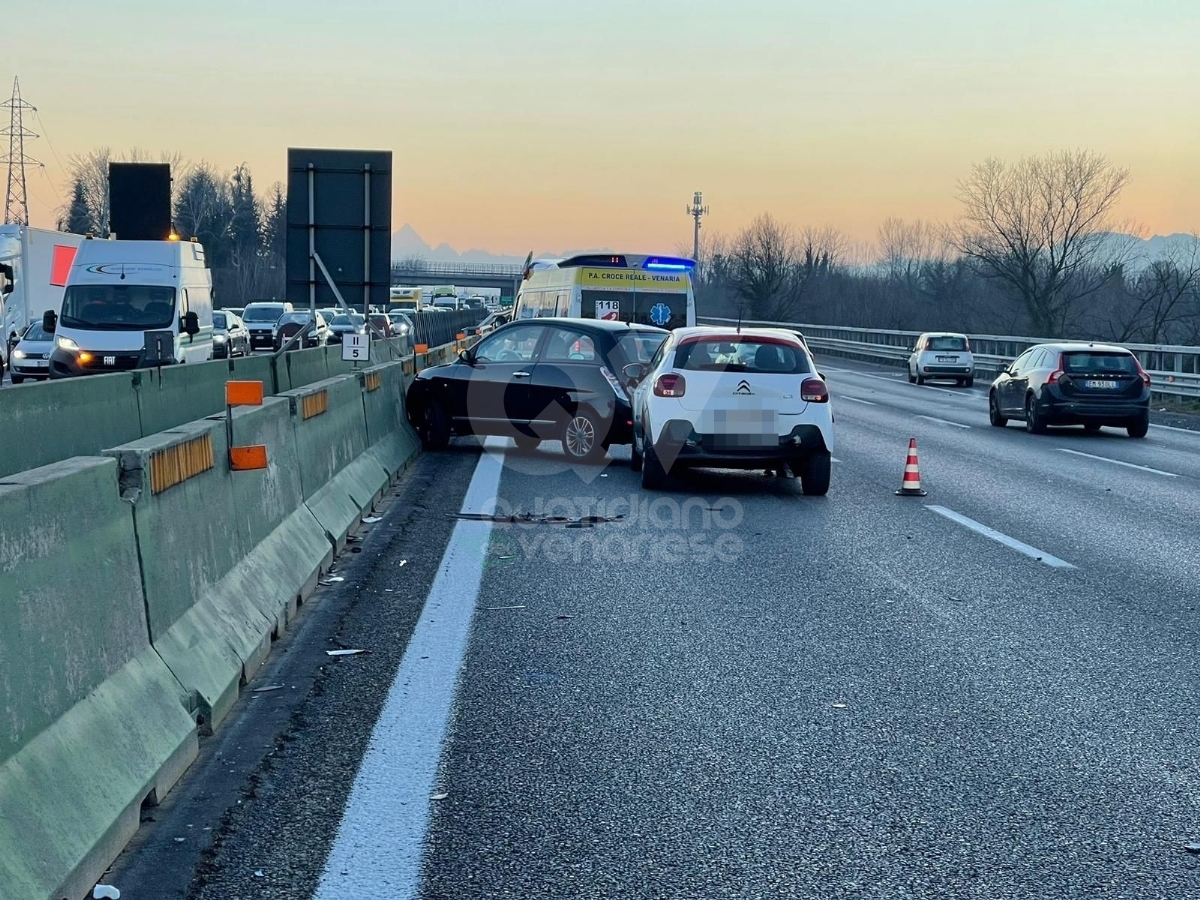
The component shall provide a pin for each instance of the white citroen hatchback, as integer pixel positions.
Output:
(725, 399)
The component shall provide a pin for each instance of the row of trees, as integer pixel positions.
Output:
(244, 234)
(1037, 249)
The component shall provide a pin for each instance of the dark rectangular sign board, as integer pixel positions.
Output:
(139, 201)
(341, 201)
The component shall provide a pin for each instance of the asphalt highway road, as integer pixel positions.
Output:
(731, 690)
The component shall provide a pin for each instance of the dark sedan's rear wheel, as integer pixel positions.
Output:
(994, 416)
(1034, 423)
(1139, 428)
(434, 429)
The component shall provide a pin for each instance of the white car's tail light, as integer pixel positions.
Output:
(670, 385)
(813, 390)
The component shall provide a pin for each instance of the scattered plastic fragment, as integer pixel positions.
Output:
(179, 840)
(506, 557)
(441, 796)
(563, 618)
(841, 705)
(403, 563)
(258, 873)
(1192, 847)
(505, 607)
(371, 520)
(955, 600)
(105, 892)
(264, 690)
(345, 652)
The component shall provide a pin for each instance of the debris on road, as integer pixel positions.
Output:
(345, 652)
(268, 688)
(441, 796)
(841, 705)
(371, 520)
(402, 564)
(258, 873)
(1192, 847)
(332, 579)
(564, 618)
(505, 607)
(105, 892)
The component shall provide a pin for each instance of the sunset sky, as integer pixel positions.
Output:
(519, 124)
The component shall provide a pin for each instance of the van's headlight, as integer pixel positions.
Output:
(219, 338)
(65, 343)
(18, 354)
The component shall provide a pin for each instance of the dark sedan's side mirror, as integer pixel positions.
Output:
(465, 356)
(633, 373)
(50, 321)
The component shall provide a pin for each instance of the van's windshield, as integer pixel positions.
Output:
(262, 313)
(118, 307)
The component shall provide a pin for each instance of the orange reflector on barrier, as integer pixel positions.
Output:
(421, 348)
(243, 459)
(462, 336)
(243, 393)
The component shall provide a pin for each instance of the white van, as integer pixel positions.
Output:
(132, 305)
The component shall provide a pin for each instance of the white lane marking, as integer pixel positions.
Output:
(1117, 462)
(855, 400)
(1173, 428)
(943, 422)
(999, 537)
(377, 852)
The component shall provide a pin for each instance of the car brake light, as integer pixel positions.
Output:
(813, 390)
(1145, 375)
(1057, 373)
(670, 385)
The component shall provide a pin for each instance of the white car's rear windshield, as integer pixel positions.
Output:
(946, 343)
(743, 354)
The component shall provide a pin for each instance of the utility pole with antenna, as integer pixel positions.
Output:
(697, 210)
(16, 200)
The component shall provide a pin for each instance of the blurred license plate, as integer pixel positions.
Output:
(745, 421)
(947, 359)
(1101, 385)
(39, 363)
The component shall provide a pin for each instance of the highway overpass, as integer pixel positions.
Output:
(505, 278)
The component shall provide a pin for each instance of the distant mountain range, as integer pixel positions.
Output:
(407, 243)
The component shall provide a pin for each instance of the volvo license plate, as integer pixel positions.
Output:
(1102, 385)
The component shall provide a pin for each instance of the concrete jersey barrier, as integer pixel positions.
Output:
(92, 722)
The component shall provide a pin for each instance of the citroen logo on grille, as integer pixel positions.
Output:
(743, 388)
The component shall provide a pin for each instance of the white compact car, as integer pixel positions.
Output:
(942, 355)
(716, 398)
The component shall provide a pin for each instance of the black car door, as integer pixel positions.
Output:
(493, 390)
(1017, 381)
(568, 376)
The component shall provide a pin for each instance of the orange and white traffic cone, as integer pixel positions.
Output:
(911, 487)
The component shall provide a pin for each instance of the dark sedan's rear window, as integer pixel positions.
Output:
(1097, 363)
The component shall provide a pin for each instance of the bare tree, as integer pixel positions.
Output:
(91, 171)
(1152, 305)
(763, 264)
(1039, 226)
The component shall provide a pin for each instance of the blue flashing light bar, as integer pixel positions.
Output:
(668, 263)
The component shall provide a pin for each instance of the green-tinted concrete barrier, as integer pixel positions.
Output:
(91, 720)
(340, 481)
(138, 590)
(175, 394)
(44, 423)
(306, 366)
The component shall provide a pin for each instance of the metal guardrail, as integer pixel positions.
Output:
(437, 328)
(1173, 370)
